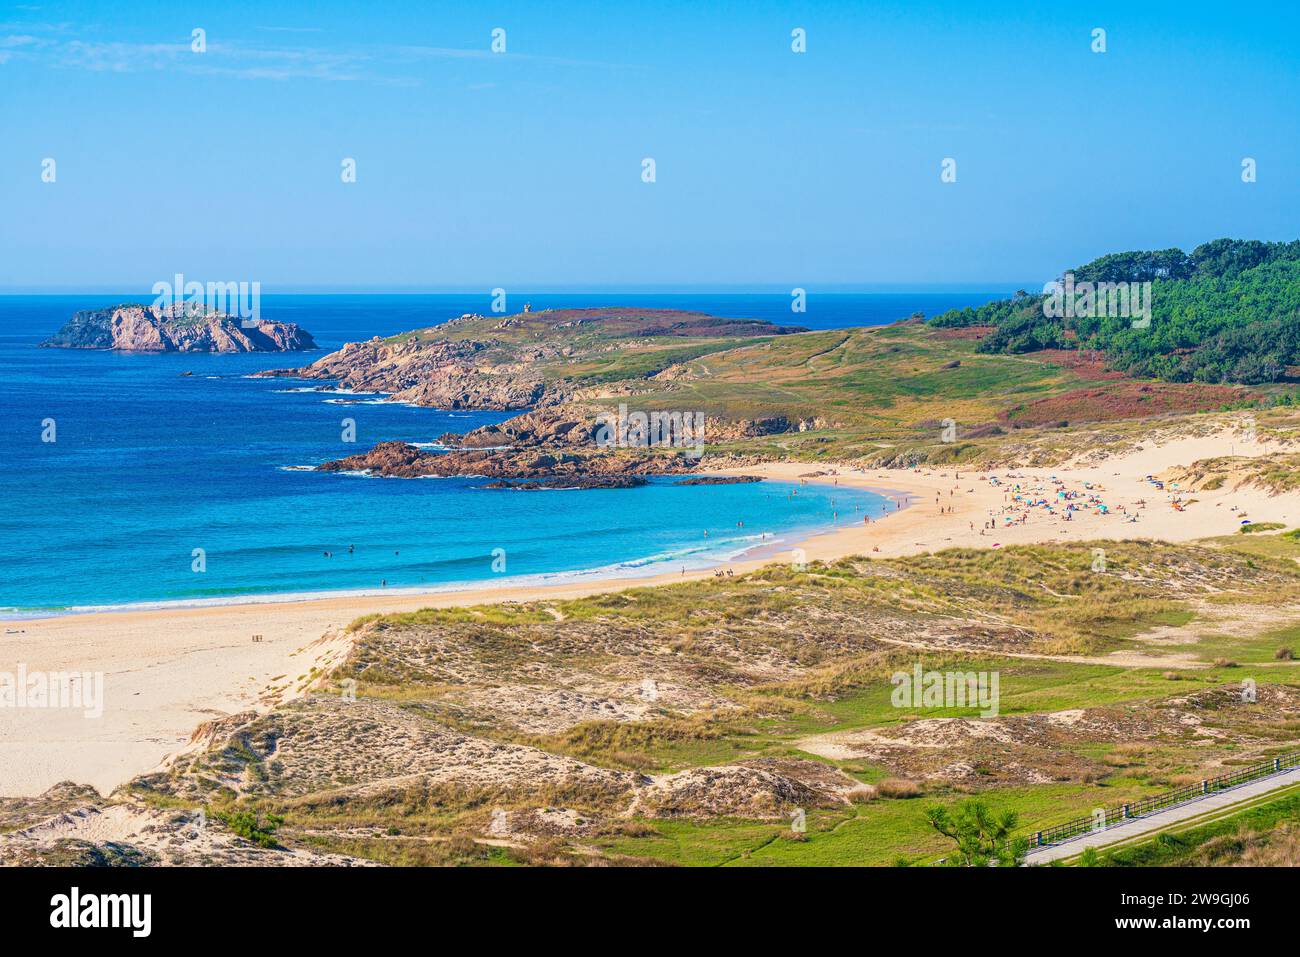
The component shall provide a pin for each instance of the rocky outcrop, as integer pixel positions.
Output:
(573, 482)
(181, 327)
(578, 425)
(561, 370)
(720, 480)
(387, 459)
(437, 373)
(556, 425)
(604, 469)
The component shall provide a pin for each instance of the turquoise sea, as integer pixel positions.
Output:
(150, 464)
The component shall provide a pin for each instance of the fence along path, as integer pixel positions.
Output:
(1104, 818)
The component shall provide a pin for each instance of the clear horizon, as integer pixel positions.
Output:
(630, 289)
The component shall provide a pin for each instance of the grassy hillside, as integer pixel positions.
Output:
(949, 391)
(884, 395)
(687, 724)
(592, 346)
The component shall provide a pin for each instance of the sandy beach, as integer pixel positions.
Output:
(166, 671)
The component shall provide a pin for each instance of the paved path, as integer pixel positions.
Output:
(1162, 819)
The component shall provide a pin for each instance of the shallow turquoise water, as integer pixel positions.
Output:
(150, 465)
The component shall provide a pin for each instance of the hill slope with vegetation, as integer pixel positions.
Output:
(874, 395)
(1228, 312)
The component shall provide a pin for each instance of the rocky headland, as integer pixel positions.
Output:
(525, 361)
(566, 372)
(181, 327)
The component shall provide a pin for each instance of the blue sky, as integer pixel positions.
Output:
(523, 169)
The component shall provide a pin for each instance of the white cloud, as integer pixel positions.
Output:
(240, 61)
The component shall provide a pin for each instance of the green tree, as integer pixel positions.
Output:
(982, 837)
(1228, 313)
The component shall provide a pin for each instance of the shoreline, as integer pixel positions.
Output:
(169, 670)
(625, 570)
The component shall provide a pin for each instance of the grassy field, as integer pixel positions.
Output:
(521, 733)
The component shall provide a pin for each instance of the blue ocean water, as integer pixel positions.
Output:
(150, 464)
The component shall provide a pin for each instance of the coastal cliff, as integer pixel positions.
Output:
(179, 328)
(529, 360)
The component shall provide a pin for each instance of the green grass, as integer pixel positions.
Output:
(1253, 650)
(878, 833)
(1285, 547)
